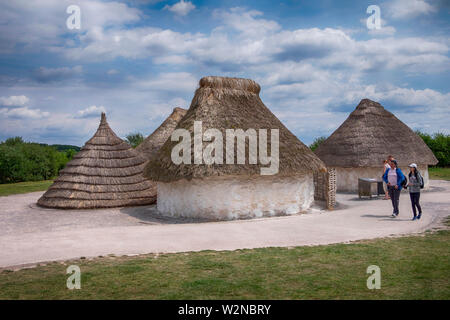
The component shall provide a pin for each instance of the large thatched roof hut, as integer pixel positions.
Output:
(106, 172)
(231, 190)
(150, 146)
(358, 147)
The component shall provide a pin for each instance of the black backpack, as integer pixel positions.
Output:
(404, 183)
(421, 180)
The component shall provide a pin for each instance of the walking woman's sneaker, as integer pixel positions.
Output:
(393, 215)
(414, 218)
(418, 217)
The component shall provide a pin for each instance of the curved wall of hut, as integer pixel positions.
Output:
(235, 197)
(347, 178)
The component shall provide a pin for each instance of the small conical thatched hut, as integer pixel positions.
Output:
(223, 190)
(150, 146)
(106, 172)
(358, 147)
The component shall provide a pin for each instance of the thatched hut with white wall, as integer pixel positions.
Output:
(358, 147)
(231, 191)
(106, 172)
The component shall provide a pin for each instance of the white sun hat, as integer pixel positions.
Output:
(413, 165)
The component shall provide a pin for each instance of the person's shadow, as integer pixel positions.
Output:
(384, 217)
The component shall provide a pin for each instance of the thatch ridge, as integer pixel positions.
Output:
(368, 136)
(107, 172)
(222, 83)
(232, 103)
(151, 145)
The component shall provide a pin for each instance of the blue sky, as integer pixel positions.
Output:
(138, 59)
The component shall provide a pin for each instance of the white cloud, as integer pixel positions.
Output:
(112, 72)
(90, 112)
(426, 98)
(100, 45)
(247, 23)
(14, 101)
(384, 31)
(41, 24)
(169, 82)
(181, 8)
(44, 74)
(404, 9)
(244, 38)
(23, 113)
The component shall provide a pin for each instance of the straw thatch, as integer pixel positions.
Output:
(232, 103)
(150, 146)
(368, 136)
(106, 172)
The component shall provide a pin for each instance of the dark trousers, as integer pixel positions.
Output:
(415, 197)
(395, 197)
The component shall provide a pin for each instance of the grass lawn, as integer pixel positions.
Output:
(439, 173)
(413, 267)
(24, 187)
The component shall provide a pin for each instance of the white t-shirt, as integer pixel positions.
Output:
(387, 166)
(392, 177)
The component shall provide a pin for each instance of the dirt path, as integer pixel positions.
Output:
(29, 234)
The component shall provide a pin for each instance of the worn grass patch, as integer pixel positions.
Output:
(8, 189)
(413, 267)
(439, 173)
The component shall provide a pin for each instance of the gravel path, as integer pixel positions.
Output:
(29, 234)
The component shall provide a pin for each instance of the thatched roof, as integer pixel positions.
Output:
(107, 172)
(232, 103)
(368, 136)
(150, 146)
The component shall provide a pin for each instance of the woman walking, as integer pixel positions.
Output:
(394, 178)
(414, 185)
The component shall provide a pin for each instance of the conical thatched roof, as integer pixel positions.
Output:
(106, 172)
(150, 146)
(232, 103)
(368, 136)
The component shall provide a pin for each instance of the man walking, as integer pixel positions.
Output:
(394, 178)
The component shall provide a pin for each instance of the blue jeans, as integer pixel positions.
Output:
(395, 197)
(415, 197)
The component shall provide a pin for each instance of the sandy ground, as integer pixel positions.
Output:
(29, 234)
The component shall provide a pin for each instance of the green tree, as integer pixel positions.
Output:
(13, 141)
(70, 153)
(13, 164)
(313, 146)
(23, 161)
(134, 139)
(439, 143)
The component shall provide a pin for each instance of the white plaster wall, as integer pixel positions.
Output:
(236, 197)
(347, 178)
